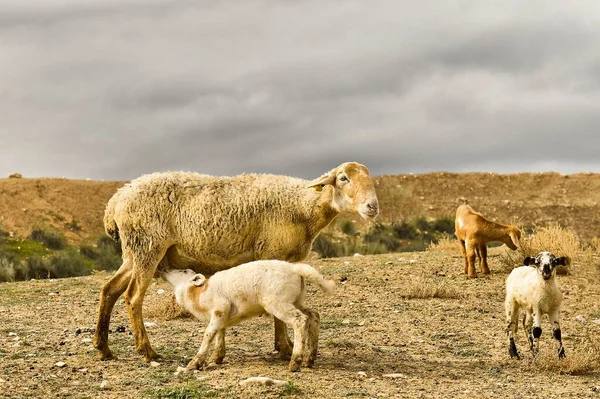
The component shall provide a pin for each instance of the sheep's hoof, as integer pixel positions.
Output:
(561, 353)
(308, 363)
(150, 355)
(193, 365)
(106, 355)
(294, 366)
(514, 354)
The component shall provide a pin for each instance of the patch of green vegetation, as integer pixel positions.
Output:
(22, 249)
(342, 343)
(73, 225)
(331, 323)
(51, 239)
(291, 389)
(347, 227)
(467, 352)
(191, 390)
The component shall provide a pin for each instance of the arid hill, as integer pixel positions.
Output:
(75, 207)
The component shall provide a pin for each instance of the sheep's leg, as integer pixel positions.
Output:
(528, 327)
(144, 266)
(219, 349)
(214, 328)
(471, 255)
(483, 265)
(463, 249)
(554, 319)
(111, 291)
(512, 319)
(282, 340)
(311, 340)
(291, 315)
(536, 332)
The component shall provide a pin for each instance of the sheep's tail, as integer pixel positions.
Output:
(110, 225)
(310, 273)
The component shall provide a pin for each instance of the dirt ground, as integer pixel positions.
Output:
(375, 323)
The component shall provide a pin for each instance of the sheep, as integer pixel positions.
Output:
(534, 289)
(251, 289)
(208, 223)
(474, 231)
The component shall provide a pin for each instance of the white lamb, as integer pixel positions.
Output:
(535, 290)
(254, 288)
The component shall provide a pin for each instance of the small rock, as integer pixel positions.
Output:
(60, 364)
(78, 331)
(362, 323)
(401, 259)
(361, 374)
(86, 340)
(149, 324)
(12, 334)
(104, 384)
(597, 321)
(154, 364)
(264, 381)
(160, 292)
(84, 371)
(389, 262)
(394, 375)
(594, 389)
(510, 378)
(581, 319)
(120, 329)
(346, 262)
(413, 261)
(346, 321)
(357, 254)
(343, 278)
(181, 370)
(15, 176)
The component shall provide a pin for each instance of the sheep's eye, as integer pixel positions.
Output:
(343, 178)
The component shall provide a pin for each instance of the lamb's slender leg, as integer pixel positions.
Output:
(463, 249)
(512, 319)
(483, 265)
(536, 332)
(311, 340)
(528, 327)
(216, 324)
(554, 319)
(471, 255)
(219, 349)
(111, 291)
(283, 344)
(145, 262)
(291, 315)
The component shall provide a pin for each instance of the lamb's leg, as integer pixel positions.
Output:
(536, 332)
(463, 250)
(219, 349)
(283, 344)
(215, 327)
(528, 327)
(291, 315)
(311, 340)
(554, 319)
(111, 291)
(483, 265)
(145, 262)
(471, 259)
(512, 318)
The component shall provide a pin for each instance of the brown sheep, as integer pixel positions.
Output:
(474, 231)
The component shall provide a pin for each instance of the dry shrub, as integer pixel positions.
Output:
(556, 239)
(429, 288)
(595, 244)
(444, 244)
(166, 309)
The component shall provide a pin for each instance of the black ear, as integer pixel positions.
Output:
(529, 261)
(563, 261)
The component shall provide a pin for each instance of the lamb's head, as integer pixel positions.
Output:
(181, 280)
(546, 263)
(353, 189)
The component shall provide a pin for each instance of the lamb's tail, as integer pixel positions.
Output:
(110, 226)
(310, 273)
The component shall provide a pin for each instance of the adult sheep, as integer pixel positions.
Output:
(219, 222)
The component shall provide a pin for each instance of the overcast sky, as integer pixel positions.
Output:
(108, 89)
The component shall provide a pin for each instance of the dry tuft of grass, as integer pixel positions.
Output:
(428, 289)
(444, 244)
(559, 240)
(167, 309)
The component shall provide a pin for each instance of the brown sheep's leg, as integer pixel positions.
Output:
(471, 255)
(283, 344)
(144, 266)
(461, 243)
(483, 265)
(111, 291)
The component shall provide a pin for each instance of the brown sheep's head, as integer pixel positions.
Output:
(515, 237)
(353, 189)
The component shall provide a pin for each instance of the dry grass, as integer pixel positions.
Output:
(444, 244)
(429, 288)
(556, 239)
(166, 309)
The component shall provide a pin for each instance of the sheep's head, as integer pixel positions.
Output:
(353, 189)
(546, 263)
(515, 237)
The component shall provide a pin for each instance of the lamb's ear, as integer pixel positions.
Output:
(327, 178)
(198, 280)
(514, 238)
(563, 261)
(529, 261)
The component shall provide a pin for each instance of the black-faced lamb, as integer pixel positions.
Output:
(218, 223)
(534, 289)
(254, 288)
(474, 231)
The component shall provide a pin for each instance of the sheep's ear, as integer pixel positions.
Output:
(563, 261)
(529, 261)
(514, 238)
(327, 178)
(198, 280)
